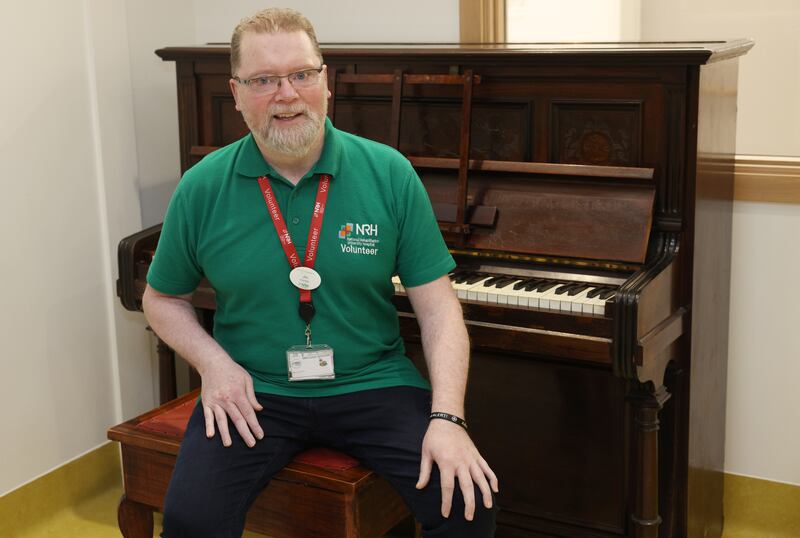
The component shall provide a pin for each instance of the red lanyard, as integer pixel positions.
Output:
(283, 231)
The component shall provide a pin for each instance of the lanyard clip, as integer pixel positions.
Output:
(308, 335)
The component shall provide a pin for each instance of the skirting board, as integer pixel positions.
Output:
(94, 472)
(753, 507)
(758, 507)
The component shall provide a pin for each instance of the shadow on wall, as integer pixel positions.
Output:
(154, 200)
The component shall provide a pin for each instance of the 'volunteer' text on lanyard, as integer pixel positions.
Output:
(303, 276)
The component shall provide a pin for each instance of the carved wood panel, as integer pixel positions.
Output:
(596, 132)
(500, 131)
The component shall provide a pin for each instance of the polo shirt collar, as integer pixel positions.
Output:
(250, 163)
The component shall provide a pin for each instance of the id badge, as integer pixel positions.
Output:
(305, 363)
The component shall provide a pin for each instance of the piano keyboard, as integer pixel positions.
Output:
(528, 292)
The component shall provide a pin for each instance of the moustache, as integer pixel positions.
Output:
(274, 111)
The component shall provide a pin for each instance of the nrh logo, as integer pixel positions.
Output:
(359, 230)
(345, 230)
(370, 230)
(359, 238)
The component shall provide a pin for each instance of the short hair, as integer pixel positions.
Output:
(270, 21)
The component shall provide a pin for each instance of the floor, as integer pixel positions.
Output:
(96, 518)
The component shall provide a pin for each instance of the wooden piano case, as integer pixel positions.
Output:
(600, 425)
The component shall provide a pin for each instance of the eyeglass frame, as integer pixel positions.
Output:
(247, 82)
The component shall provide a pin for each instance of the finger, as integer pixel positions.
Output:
(251, 395)
(252, 424)
(424, 471)
(240, 424)
(468, 491)
(208, 414)
(480, 480)
(446, 481)
(222, 425)
(490, 474)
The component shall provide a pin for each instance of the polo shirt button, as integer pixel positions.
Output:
(295, 220)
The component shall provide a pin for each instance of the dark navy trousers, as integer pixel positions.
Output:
(213, 486)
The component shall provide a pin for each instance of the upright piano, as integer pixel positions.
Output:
(585, 191)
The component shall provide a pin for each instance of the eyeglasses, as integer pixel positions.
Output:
(267, 84)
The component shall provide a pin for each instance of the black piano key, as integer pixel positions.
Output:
(546, 286)
(458, 277)
(455, 276)
(475, 278)
(462, 278)
(577, 289)
(536, 282)
(597, 291)
(607, 294)
(491, 281)
(526, 282)
(564, 288)
(505, 282)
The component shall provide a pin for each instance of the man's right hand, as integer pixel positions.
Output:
(227, 391)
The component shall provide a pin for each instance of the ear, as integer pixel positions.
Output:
(234, 86)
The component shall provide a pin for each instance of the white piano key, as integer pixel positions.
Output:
(576, 301)
(549, 299)
(463, 289)
(476, 292)
(600, 308)
(505, 295)
(532, 300)
(398, 285)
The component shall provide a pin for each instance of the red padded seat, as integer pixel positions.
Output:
(173, 423)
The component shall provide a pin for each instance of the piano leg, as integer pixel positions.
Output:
(135, 520)
(647, 403)
(166, 372)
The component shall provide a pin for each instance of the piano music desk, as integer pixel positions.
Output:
(320, 493)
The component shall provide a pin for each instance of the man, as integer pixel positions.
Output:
(306, 347)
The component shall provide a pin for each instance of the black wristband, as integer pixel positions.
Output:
(451, 418)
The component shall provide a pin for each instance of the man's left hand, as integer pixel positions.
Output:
(449, 446)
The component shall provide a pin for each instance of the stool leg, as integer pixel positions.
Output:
(417, 529)
(135, 519)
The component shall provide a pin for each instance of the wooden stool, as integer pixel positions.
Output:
(321, 493)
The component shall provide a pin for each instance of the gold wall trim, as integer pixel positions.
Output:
(482, 21)
(755, 507)
(60, 489)
(767, 179)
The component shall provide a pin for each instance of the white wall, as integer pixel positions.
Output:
(343, 21)
(66, 161)
(763, 417)
(543, 21)
(769, 75)
(763, 437)
(117, 178)
(155, 96)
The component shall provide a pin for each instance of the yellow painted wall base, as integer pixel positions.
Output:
(755, 507)
(60, 489)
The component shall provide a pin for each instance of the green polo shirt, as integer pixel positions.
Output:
(378, 222)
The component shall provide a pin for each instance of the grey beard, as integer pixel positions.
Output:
(296, 141)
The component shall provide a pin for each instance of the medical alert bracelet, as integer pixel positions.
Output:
(452, 418)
